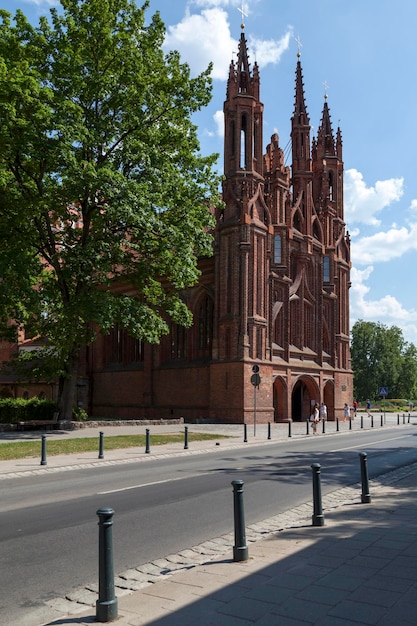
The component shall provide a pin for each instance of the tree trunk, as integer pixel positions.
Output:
(67, 399)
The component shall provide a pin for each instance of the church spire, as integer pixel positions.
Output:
(325, 138)
(300, 133)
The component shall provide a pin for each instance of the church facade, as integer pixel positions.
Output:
(270, 335)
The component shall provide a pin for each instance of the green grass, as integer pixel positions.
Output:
(29, 449)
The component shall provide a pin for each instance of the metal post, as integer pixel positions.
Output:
(308, 427)
(254, 411)
(337, 424)
(317, 517)
(148, 442)
(361, 421)
(245, 433)
(240, 549)
(372, 421)
(398, 419)
(186, 438)
(289, 429)
(324, 427)
(43, 450)
(269, 430)
(382, 421)
(350, 423)
(106, 605)
(101, 446)
(409, 417)
(365, 498)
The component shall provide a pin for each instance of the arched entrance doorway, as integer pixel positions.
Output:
(304, 393)
(280, 400)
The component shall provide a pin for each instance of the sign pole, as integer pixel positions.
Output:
(255, 379)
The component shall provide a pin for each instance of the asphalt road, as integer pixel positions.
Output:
(48, 529)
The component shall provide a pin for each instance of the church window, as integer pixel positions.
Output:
(243, 143)
(122, 348)
(277, 249)
(178, 341)
(331, 185)
(326, 269)
(205, 324)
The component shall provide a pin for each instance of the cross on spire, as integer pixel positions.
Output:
(326, 86)
(243, 14)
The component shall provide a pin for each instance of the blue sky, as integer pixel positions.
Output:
(366, 54)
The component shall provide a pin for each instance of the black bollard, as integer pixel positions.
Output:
(269, 430)
(350, 423)
(317, 517)
(337, 424)
(372, 421)
(324, 427)
(409, 417)
(382, 421)
(245, 433)
(148, 442)
(365, 498)
(289, 429)
(106, 605)
(240, 549)
(308, 427)
(398, 419)
(186, 438)
(101, 446)
(43, 450)
(361, 421)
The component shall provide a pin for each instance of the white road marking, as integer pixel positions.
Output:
(370, 443)
(156, 482)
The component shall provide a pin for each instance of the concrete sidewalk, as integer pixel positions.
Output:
(360, 568)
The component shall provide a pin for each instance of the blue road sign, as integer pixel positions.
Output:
(383, 391)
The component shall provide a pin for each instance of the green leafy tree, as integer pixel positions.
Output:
(104, 194)
(407, 386)
(381, 357)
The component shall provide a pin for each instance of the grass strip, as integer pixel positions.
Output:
(31, 449)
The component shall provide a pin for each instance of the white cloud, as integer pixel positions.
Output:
(270, 50)
(362, 203)
(384, 246)
(413, 205)
(219, 121)
(387, 310)
(204, 38)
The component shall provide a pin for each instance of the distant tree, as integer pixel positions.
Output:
(381, 358)
(103, 189)
(407, 385)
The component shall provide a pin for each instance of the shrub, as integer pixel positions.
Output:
(79, 414)
(14, 410)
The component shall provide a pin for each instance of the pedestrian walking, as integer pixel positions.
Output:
(323, 412)
(346, 412)
(315, 418)
(368, 407)
(355, 407)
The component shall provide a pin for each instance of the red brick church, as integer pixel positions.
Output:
(273, 299)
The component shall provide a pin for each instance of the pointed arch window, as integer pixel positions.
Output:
(326, 269)
(178, 342)
(243, 130)
(277, 249)
(205, 326)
